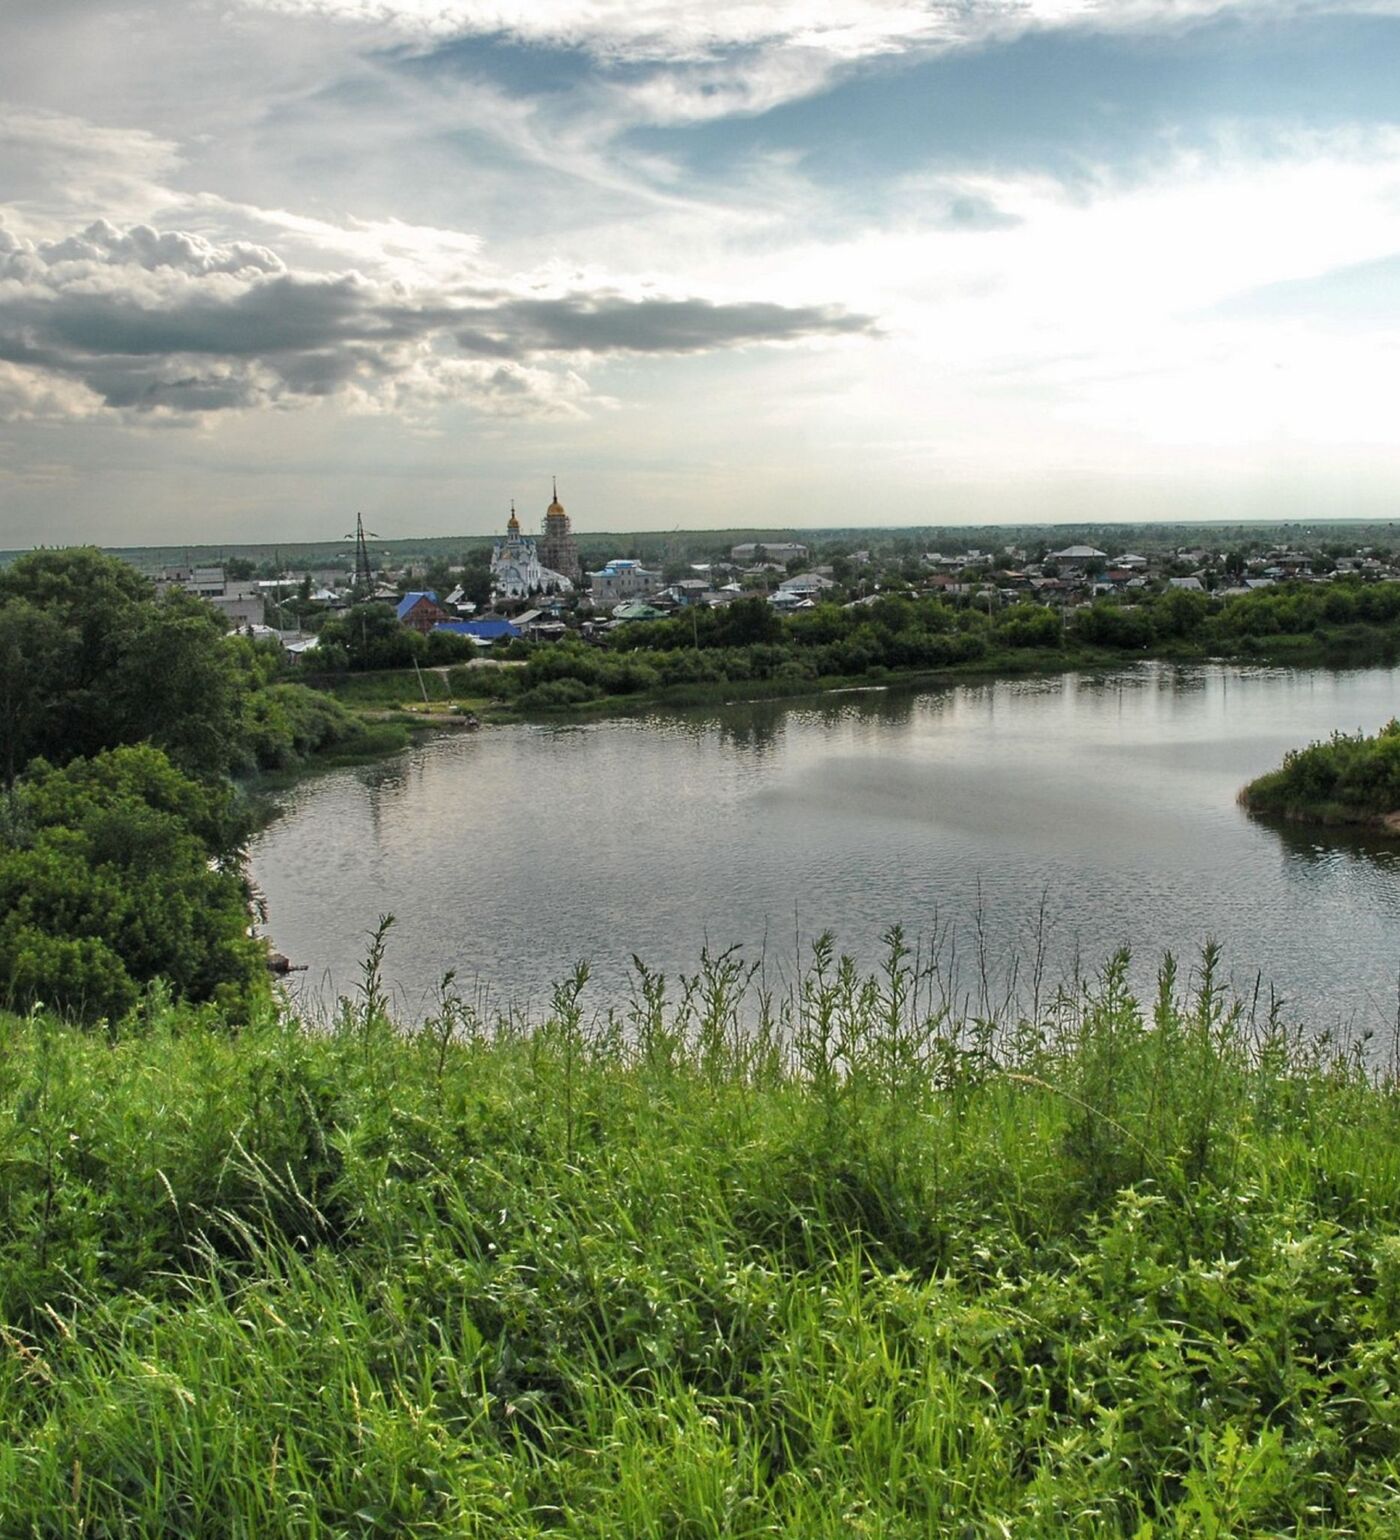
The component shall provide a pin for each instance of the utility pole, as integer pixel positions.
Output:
(364, 576)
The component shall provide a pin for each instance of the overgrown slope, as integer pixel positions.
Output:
(822, 1267)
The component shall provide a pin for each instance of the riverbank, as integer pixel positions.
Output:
(1351, 779)
(1115, 1271)
(466, 690)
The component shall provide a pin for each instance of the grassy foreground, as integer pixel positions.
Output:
(722, 1266)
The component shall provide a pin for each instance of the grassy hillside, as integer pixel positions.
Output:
(846, 1269)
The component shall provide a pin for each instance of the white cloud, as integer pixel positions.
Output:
(679, 30)
(33, 395)
(56, 163)
(744, 57)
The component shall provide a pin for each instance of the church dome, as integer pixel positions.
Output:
(556, 507)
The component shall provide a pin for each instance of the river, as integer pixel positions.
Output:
(1062, 817)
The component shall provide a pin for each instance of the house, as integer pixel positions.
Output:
(805, 585)
(1189, 585)
(537, 625)
(1077, 557)
(483, 632)
(457, 600)
(688, 591)
(636, 609)
(299, 650)
(420, 611)
(776, 551)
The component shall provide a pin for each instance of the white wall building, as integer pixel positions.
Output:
(620, 580)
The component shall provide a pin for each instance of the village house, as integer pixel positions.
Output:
(420, 611)
(805, 585)
(482, 632)
(1075, 558)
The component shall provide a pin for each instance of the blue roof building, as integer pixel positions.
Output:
(480, 630)
(406, 604)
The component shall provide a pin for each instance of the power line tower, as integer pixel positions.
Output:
(364, 575)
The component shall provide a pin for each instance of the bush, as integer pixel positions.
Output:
(558, 694)
(116, 871)
(1349, 776)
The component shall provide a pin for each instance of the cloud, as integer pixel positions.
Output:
(141, 246)
(32, 395)
(172, 324)
(678, 30)
(53, 160)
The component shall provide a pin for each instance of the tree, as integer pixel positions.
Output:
(476, 586)
(105, 662)
(32, 647)
(175, 685)
(118, 870)
(1179, 613)
(372, 637)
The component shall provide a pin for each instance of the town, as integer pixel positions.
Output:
(524, 587)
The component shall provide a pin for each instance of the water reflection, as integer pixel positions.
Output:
(1335, 847)
(1102, 805)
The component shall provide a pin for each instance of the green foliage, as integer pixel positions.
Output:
(850, 1268)
(748, 643)
(92, 659)
(286, 725)
(1351, 777)
(1106, 623)
(118, 870)
(446, 647)
(372, 638)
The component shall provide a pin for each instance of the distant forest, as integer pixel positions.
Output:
(662, 544)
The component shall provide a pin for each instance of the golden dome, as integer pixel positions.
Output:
(512, 523)
(556, 506)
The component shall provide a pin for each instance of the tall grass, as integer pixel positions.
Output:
(846, 1262)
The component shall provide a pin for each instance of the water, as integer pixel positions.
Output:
(1079, 813)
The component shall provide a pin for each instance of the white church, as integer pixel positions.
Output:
(516, 572)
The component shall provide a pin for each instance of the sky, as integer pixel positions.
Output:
(755, 263)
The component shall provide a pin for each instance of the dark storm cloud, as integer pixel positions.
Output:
(151, 320)
(611, 323)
